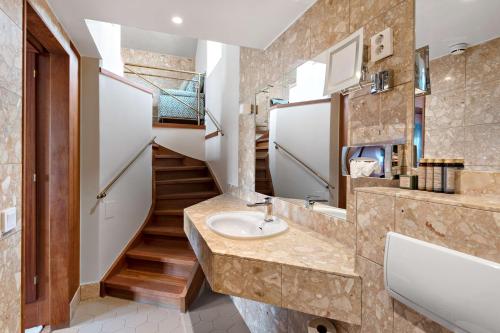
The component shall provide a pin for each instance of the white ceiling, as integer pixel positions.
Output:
(159, 42)
(251, 23)
(442, 23)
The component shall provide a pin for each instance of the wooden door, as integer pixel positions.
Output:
(31, 243)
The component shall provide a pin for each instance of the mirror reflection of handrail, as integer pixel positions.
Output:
(104, 192)
(304, 165)
(198, 113)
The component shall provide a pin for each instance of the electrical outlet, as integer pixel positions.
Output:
(381, 45)
(9, 219)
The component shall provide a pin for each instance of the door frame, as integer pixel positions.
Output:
(57, 110)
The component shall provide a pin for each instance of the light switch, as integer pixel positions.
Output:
(9, 219)
(381, 45)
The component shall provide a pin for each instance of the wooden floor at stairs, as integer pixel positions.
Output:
(159, 266)
(263, 180)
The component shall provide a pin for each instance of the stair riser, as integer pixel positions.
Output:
(142, 298)
(184, 188)
(165, 162)
(166, 175)
(173, 221)
(177, 203)
(261, 163)
(262, 144)
(260, 173)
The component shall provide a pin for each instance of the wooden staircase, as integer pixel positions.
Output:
(158, 265)
(263, 181)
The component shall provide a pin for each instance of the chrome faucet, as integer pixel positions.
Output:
(310, 200)
(269, 209)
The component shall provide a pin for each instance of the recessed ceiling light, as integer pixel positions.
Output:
(177, 19)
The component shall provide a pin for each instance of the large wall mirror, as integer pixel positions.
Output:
(457, 83)
(298, 139)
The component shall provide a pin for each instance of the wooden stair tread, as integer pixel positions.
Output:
(162, 230)
(163, 253)
(185, 180)
(180, 168)
(168, 156)
(189, 195)
(146, 282)
(260, 168)
(262, 148)
(175, 212)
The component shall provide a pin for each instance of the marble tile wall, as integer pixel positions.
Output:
(428, 217)
(10, 160)
(463, 111)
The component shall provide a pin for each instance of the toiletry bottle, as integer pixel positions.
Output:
(429, 175)
(438, 175)
(421, 171)
(450, 168)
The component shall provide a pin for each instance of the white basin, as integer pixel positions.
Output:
(329, 210)
(245, 225)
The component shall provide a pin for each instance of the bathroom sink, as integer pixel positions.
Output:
(332, 211)
(245, 225)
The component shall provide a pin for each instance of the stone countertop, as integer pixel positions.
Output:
(299, 269)
(298, 246)
(489, 202)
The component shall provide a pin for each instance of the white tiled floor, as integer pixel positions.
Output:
(210, 313)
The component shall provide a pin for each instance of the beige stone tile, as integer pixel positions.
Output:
(363, 11)
(483, 62)
(395, 105)
(10, 55)
(10, 288)
(483, 103)
(445, 143)
(246, 149)
(486, 202)
(343, 232)
(10, 127)
(472, 231)
(251, 279)
(322, 294)
(478, 182)
(264, 318)
(329, 21)
(297, 321)
(14, 9)
(482, 145)
(447, 73)
(407, 320)
(89, 291)
(201, 249)
(296, 43)
(377, 312)
(375, 218)
(364, 118)
(401, 19)
(11, 188)
(445, 109)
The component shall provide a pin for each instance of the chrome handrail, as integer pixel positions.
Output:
(104, 192)
(198, 113)
(163, 69)
(311, 170)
